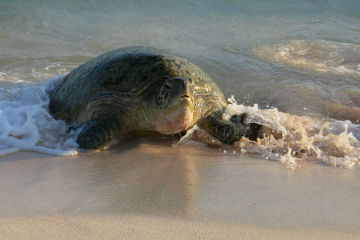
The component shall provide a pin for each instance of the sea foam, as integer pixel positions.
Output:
(291, 139)
(26, 125)
(25, 122)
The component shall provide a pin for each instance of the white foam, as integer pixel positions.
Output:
(297, 138)
(25, 123)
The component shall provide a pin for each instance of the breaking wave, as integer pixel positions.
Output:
(26, 125)
(320, 56)
(291, 139)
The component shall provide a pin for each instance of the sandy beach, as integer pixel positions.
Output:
(147, 189)
(131, 227)
(293, 66)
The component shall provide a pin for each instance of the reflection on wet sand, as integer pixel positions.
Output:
(147, 178)
(150, 178)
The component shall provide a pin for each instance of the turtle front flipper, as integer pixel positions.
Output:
(105, 112)
(230, 131)
(98, 133)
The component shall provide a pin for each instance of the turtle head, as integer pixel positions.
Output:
(174, 101)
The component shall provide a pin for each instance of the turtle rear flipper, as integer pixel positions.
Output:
(231, 131)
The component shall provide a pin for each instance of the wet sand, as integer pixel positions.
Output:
(146, 189)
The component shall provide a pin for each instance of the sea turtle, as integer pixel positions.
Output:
(139, 88)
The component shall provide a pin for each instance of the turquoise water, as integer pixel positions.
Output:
(301, 57)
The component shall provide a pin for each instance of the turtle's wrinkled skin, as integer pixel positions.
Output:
(138, 88)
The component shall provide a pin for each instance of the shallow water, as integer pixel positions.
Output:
(302, 58)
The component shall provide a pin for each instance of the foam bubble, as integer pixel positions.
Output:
(294, 138)
(25, 123)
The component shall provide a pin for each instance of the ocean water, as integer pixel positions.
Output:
(293, 65)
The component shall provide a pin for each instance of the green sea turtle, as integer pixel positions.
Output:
(138, 88)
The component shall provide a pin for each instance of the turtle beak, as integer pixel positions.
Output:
(180, 87)
(186, 87)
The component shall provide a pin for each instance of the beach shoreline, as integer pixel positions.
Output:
(293, 66)
(147, 189)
